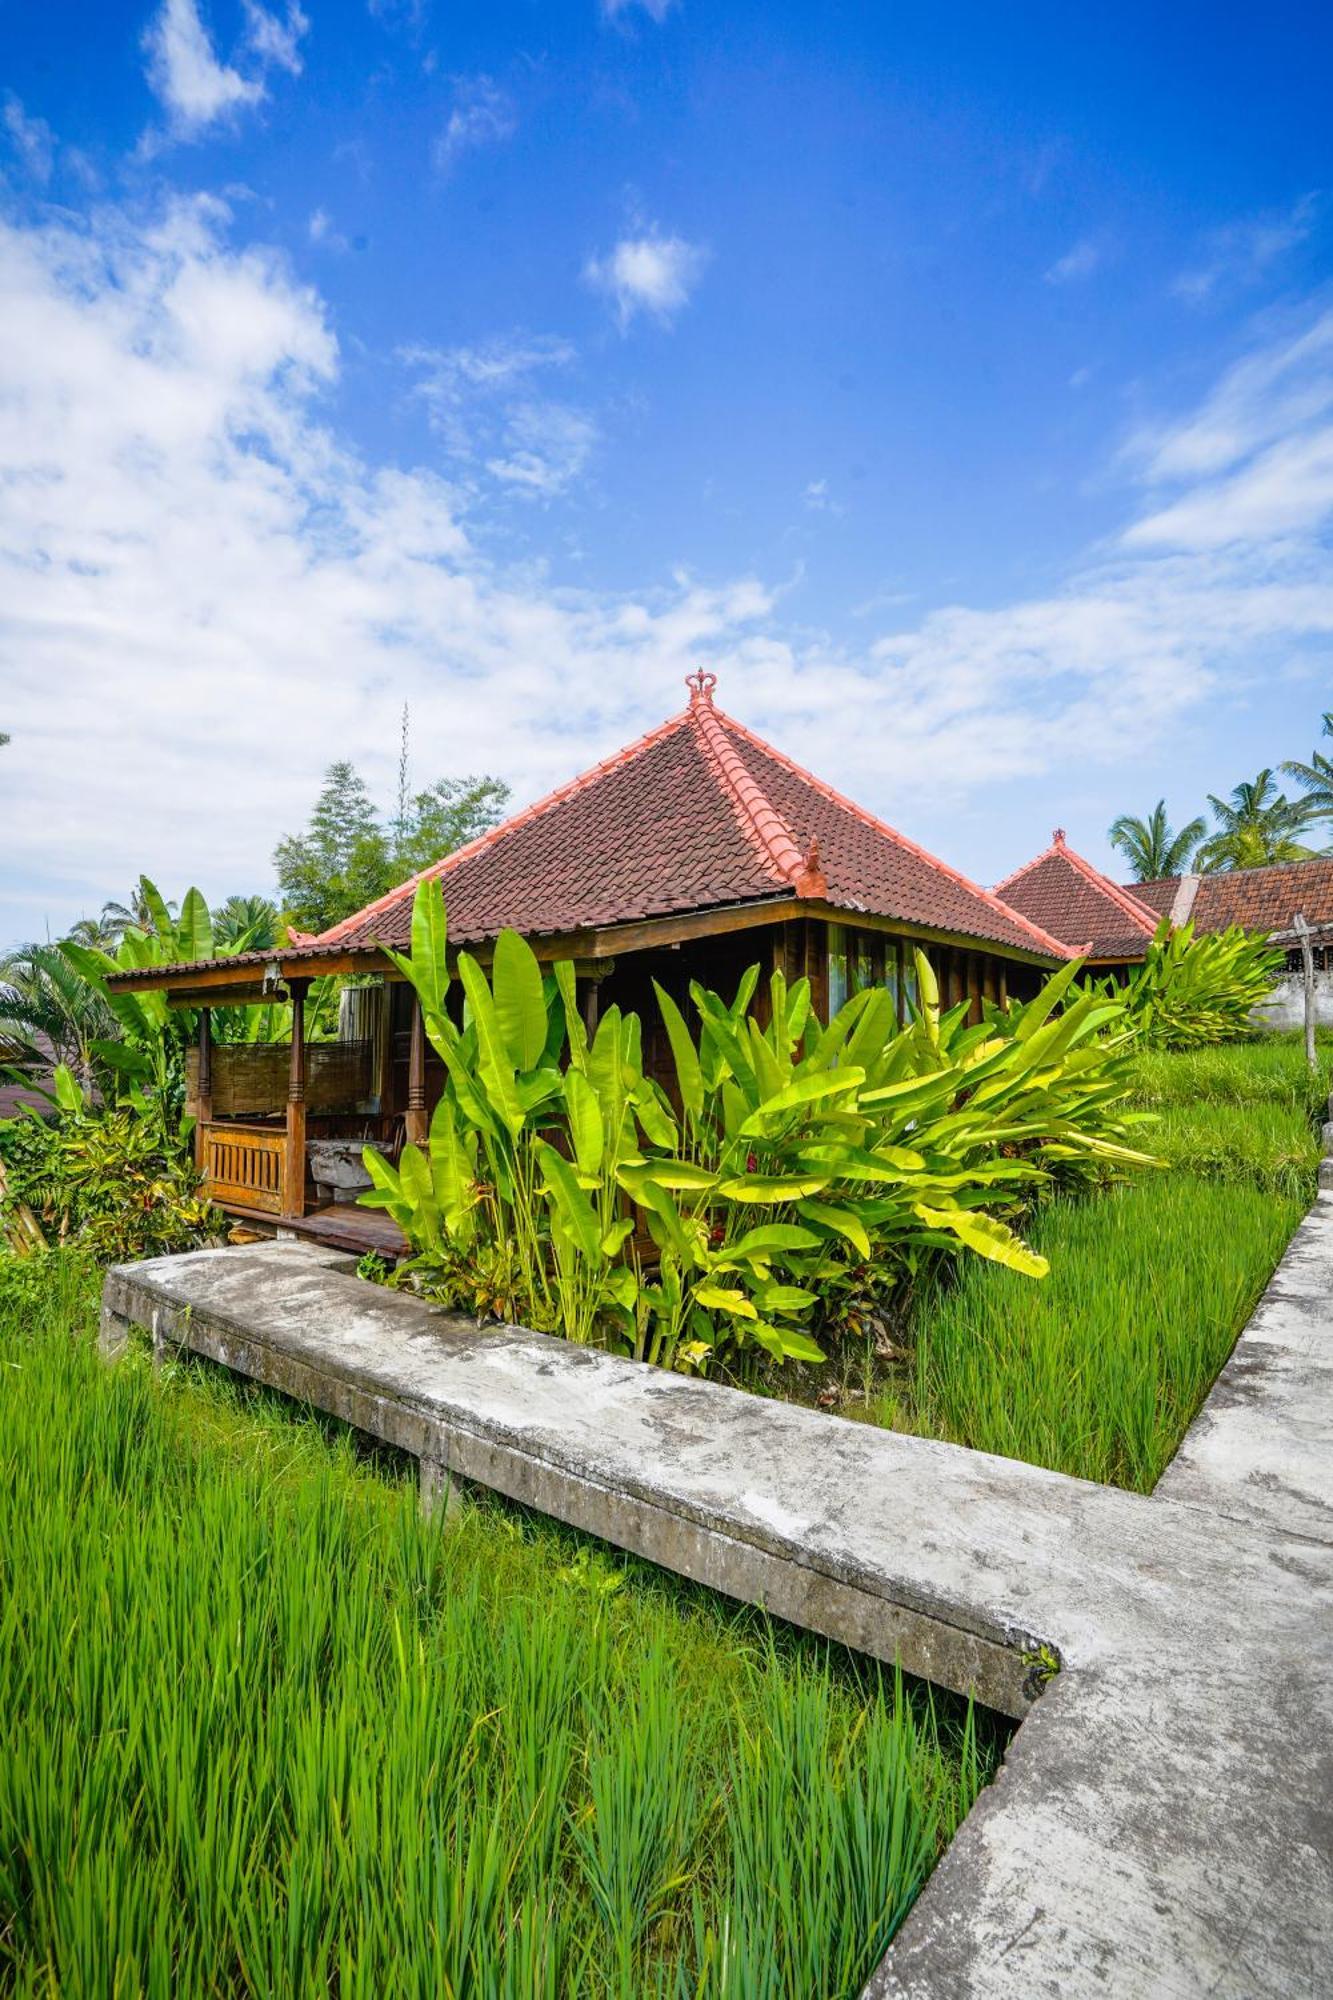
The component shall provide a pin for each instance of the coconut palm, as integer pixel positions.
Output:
(47, 1010)
(1255, 827)
(1316, 777)
(1151, 847)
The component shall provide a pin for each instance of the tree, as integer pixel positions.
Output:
(1255, 827)
(46, 1006)
(446, 816)
(340, 862)
(246, 923)
(346, 857)
(1151, 847)
(1316, 777)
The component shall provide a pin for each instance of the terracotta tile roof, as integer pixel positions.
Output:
(1259, 899)
(1067, 896)
(696, 815)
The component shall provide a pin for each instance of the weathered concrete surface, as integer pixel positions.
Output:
(1163, 1821)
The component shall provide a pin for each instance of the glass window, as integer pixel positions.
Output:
(865, 970)
(837, 968)
(893, 975)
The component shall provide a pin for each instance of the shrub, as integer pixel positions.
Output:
(1192, 990)
(798, 1163)
(116, 1182)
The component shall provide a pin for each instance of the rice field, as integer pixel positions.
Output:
(267, 1732)
(1098, 1370)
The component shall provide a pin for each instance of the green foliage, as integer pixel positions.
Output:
(300, 1741)
(347, 856)
(1316, 778)
(1192, 990)
(1152, 847)
(115, 1182)
(805, 1163)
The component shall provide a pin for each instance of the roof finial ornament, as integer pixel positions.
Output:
(701, 685)
(1059, 836)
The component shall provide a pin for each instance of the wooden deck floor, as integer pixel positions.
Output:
(339, 1226)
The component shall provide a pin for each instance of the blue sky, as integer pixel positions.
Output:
(958, 385)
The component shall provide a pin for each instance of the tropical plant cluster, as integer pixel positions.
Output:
(1193, 990)
(117, 1182)
(797, 1168)
(264, 1730)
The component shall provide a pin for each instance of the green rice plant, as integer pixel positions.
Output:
(1269, 1070)
(265, 1731)
(1270, 1146)
(1099, 1371)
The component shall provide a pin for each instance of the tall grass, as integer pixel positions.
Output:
(267, 1732)
(1099, 1370)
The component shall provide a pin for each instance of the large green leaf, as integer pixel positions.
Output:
(807, 1087)
(689, 1076)
(430, 945)
(575, 1029)
(987, 1237)
(519, 1003)
(496, 1063)
(773, 1188)
(194, 933)
(840, 1220)
(585, 1121)
(575, 1210)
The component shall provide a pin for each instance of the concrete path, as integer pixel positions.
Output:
(1163, 1824)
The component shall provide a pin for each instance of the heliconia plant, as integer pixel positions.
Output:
(563, 1187)
(1194, 989)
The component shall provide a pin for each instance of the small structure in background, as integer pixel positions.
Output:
(1111, 927)
(688, 855)
(1268, 900)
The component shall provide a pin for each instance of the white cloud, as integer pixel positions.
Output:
(819, 500)
(31, 138)
(648, 273)
(274, 40)
(657, 10)
(320, 230)
(225, 596)
(1243, 252)
(482, 401)
(1080, 262)
(194, 88)
(197, 89)
(483, 115)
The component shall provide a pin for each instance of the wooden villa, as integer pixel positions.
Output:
(690, 854)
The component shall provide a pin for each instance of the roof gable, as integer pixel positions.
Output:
(1258, 899)
(1067, 896)
(698, 814)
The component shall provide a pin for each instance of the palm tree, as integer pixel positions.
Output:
(45, 1006)
(245, 923)
(1255, 827)
(1150, 846)
(1316, 777)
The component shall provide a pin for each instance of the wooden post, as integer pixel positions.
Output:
(203, 1096)
(590, 997)
(1302, 930)
(415, 1123)
(293, 1162)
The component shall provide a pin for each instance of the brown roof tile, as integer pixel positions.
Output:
(1067, 896)
(1258, 899)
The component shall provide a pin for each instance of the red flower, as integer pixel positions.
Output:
(751, 1163)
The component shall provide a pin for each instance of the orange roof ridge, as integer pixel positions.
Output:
(392, 897)
(1124, 899)
(760, 820)
(1050, 945)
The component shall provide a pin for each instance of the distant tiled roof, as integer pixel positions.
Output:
(1073, 900)
(1258, 899)
(698, 814)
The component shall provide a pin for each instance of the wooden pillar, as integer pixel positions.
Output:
(203, 1093)
(415, 1123)
(591, 993)
(293, 1162)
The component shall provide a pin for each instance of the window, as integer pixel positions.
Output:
(838, 990)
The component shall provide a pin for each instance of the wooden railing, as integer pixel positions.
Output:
(243, 1166)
